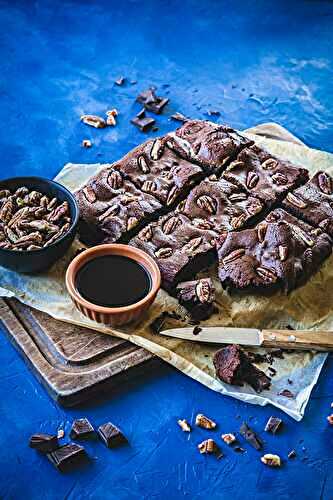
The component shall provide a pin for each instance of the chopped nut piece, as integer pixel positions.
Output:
(229, 438)
(184, 425)
(111, 117)
(93, 121)
(86, 143)
(271, 460)
(330, 419)
(204, 422)
(60, 433)
(208, 446)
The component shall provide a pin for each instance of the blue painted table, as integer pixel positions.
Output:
(253, 61)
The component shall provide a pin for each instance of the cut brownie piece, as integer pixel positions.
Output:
(220, 205)
(313, 202)
(264, 175)
(112, 208)
(179, 248)
(280, 252)
(197, 297)
(233, 366)
(157, 170)
(207, 143)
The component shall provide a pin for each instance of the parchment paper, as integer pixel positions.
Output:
(306, 307)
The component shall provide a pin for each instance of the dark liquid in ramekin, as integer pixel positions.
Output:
(113, 281)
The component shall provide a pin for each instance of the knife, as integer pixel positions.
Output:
(317, 340)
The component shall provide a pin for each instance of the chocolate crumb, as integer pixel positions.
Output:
(196, 330)
(286, 393)
(213, 112)
(290, 382)
(272, 371)
(239, 449)
(292, 454)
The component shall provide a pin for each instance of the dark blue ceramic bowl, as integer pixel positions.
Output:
(34, 261)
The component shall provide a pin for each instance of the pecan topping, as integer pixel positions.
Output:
(283, 252)
(52, 204)
(6, 211)
(238, 197)
(129, 198)
(110, 212)
(271, 460)
(173, 193)
(93, 121)
(192, 245)
(170, 225)
(180, 207)
(115, 180)
(163, 253)
(252, 179)
(269, 164)
(296, 201)
(111, 117)
(208, 446)
(236, 254)
(202, 223)
(229, 438)
(146, 234)
(325, 183)
(237, 222)
(132, 222)
(203, 291)
(207, 203)
(280, 179)
(266, 274)
(184, 425)
(204, 422)
(156, 150)
(89, 194)
(143, 165)
(149, 187)
(303, 236)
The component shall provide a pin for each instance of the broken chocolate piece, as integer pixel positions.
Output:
(233, 366)
(213, 112)
(273, 424)
(111, 435)
(286, 393)
(179, 117)
(143, 122)
(272, 371)
(292, 454)
(44, 442)
(197, 297)
(67, 457)
(81, 429)
(151, 101)
(250, 436)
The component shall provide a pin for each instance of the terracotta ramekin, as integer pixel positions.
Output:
(113, 316)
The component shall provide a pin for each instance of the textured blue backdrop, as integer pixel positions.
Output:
(253, 61)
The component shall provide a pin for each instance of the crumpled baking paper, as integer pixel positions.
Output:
(309, 307)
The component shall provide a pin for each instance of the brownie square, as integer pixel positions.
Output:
(157, 170)
(279, 253)
(197, 296)
(263, 175)
(220, 205)
(112, 208)
(207, 143)
(179, 248)
(313, 202)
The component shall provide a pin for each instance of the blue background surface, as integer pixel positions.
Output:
(254, 62)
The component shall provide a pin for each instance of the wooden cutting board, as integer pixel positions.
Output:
(72, 362)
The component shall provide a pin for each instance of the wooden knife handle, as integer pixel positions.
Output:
(298, 339)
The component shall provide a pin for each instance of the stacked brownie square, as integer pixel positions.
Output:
(205, 192)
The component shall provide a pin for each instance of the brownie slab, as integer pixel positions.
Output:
(220, 205)
(279, 253)
(197, 296)
(112, 208)
(207, 143)
(313, 202)
(157, 170)
(265, 176)
(179, 248)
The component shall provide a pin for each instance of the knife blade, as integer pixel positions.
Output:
(218, 335)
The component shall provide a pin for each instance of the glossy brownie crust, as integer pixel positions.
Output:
(279, 253)
(313, 202)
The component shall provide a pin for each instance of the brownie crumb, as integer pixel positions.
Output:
(272, 371)
(287, 394)
(197, 330)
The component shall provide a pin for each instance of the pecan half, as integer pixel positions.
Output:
(59, 212)
(266, 274)
(202, 223)
(156, 150)
(163, 253)
(89, 194)
(203, 291)
(296, 201)
(93, 121)
(237, 222)
(146, 234)
(303, 236)
(110, 212)
(6, 211)
(115, 180)
(192, 245)
(143, 165)
(207, 203)
(236, 254)
(279, 179)
(325, 183)
(238, 197)
(172, 196)
(252, 179)
(170, 225)
(269, 164)
(184, 425)
(149, 187)
(283, 252)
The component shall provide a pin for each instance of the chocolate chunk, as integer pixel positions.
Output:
(81, 429)
(143, 122)
(67, 457)
(120, 80)
(213, 112)
(233, 366)
(197, 297)
(239, 449)
(287, 394)
(151, 101)
(273, 424)
(44, 442)
(250, 436)
(111, 435)
(196, 330)
(179, 117)
(292, 454)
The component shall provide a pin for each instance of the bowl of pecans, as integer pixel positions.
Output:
(38, 220)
